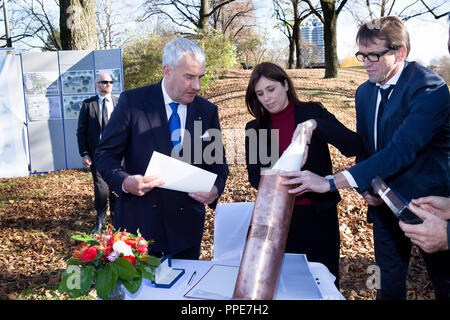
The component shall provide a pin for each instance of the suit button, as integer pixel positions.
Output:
(181, 209)
(155, 206)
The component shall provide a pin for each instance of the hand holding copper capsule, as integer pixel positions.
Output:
(307, 127)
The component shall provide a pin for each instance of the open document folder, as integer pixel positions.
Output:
(179, 175)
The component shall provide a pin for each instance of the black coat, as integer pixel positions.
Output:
(90, 126)
(138, 127)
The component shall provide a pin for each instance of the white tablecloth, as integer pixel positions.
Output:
(231, 223)
(148, 291)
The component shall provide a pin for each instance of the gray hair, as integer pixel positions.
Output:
(175, 50)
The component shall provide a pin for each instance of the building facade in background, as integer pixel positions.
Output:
(313, 46)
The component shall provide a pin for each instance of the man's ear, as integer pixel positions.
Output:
(400, 54)
(166, 70)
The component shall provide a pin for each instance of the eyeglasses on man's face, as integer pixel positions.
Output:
(106, 82)
(371, 56)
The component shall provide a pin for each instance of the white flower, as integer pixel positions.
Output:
(121, 247)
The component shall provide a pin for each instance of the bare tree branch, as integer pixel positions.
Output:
(432, 10)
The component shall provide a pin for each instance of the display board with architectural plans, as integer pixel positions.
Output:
(55, 85)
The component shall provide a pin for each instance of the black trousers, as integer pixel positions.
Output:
(101, 194)
(192, 253)
(316, 234)
(392, 254)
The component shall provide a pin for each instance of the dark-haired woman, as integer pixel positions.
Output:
(272, 100)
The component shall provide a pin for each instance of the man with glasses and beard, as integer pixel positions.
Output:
(403, 113)
(92, 120)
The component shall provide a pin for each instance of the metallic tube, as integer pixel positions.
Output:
(260, 267)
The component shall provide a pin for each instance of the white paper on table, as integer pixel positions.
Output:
(292, 157)
(217, 284)
(179, 175)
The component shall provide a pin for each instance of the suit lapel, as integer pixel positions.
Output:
(390, 105)
(192, 136)
(156, 114)
(96, 106)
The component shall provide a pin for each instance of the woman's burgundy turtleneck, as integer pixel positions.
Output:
(284, 121)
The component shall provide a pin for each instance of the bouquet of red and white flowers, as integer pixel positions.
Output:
(107, 260)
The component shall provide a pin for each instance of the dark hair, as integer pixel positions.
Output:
(390, 29)
(272, 72)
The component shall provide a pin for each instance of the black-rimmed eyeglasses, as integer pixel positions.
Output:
(106, 82)
(372, 57)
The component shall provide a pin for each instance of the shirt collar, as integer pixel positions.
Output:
(108, 97)
(167, 99)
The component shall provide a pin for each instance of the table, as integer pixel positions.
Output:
(286, 289)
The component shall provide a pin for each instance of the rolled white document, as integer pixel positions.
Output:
(292, 157)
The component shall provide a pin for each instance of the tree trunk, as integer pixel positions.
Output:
(204, 15)
(77, 24)
(298, 46)
(291, 53)
(296, 36)
(329, 38)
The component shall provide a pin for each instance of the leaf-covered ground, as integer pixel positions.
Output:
(39, 213)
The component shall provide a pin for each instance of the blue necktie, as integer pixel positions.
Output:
(384, 97)
(175, 124)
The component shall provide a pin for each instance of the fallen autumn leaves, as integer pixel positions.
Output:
(39, 213)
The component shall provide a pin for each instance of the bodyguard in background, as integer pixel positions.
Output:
(94, 115)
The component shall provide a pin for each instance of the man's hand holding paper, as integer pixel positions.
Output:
(139, 185)
(205, 197)
(183, 177)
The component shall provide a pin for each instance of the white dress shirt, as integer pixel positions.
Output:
(182, 109)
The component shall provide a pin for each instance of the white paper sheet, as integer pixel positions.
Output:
(179, 175)
(217, 284)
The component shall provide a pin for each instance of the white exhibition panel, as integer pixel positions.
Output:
(40, 101)
(13, 130)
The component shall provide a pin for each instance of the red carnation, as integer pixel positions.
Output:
(142, 249)
(131, 259)
(89, 254)
(130, 242)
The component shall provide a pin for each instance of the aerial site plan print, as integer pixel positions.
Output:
(78, 82)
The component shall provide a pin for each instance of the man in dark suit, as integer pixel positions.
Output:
(408, 132)
(94, 115)
(161, 117)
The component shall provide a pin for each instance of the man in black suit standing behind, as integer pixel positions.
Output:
(94, 115)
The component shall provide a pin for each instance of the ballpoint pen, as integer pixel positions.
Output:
(192, 277)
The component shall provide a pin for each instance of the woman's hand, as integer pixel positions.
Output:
(307, 127)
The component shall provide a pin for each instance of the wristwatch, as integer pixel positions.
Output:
(330, 179)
